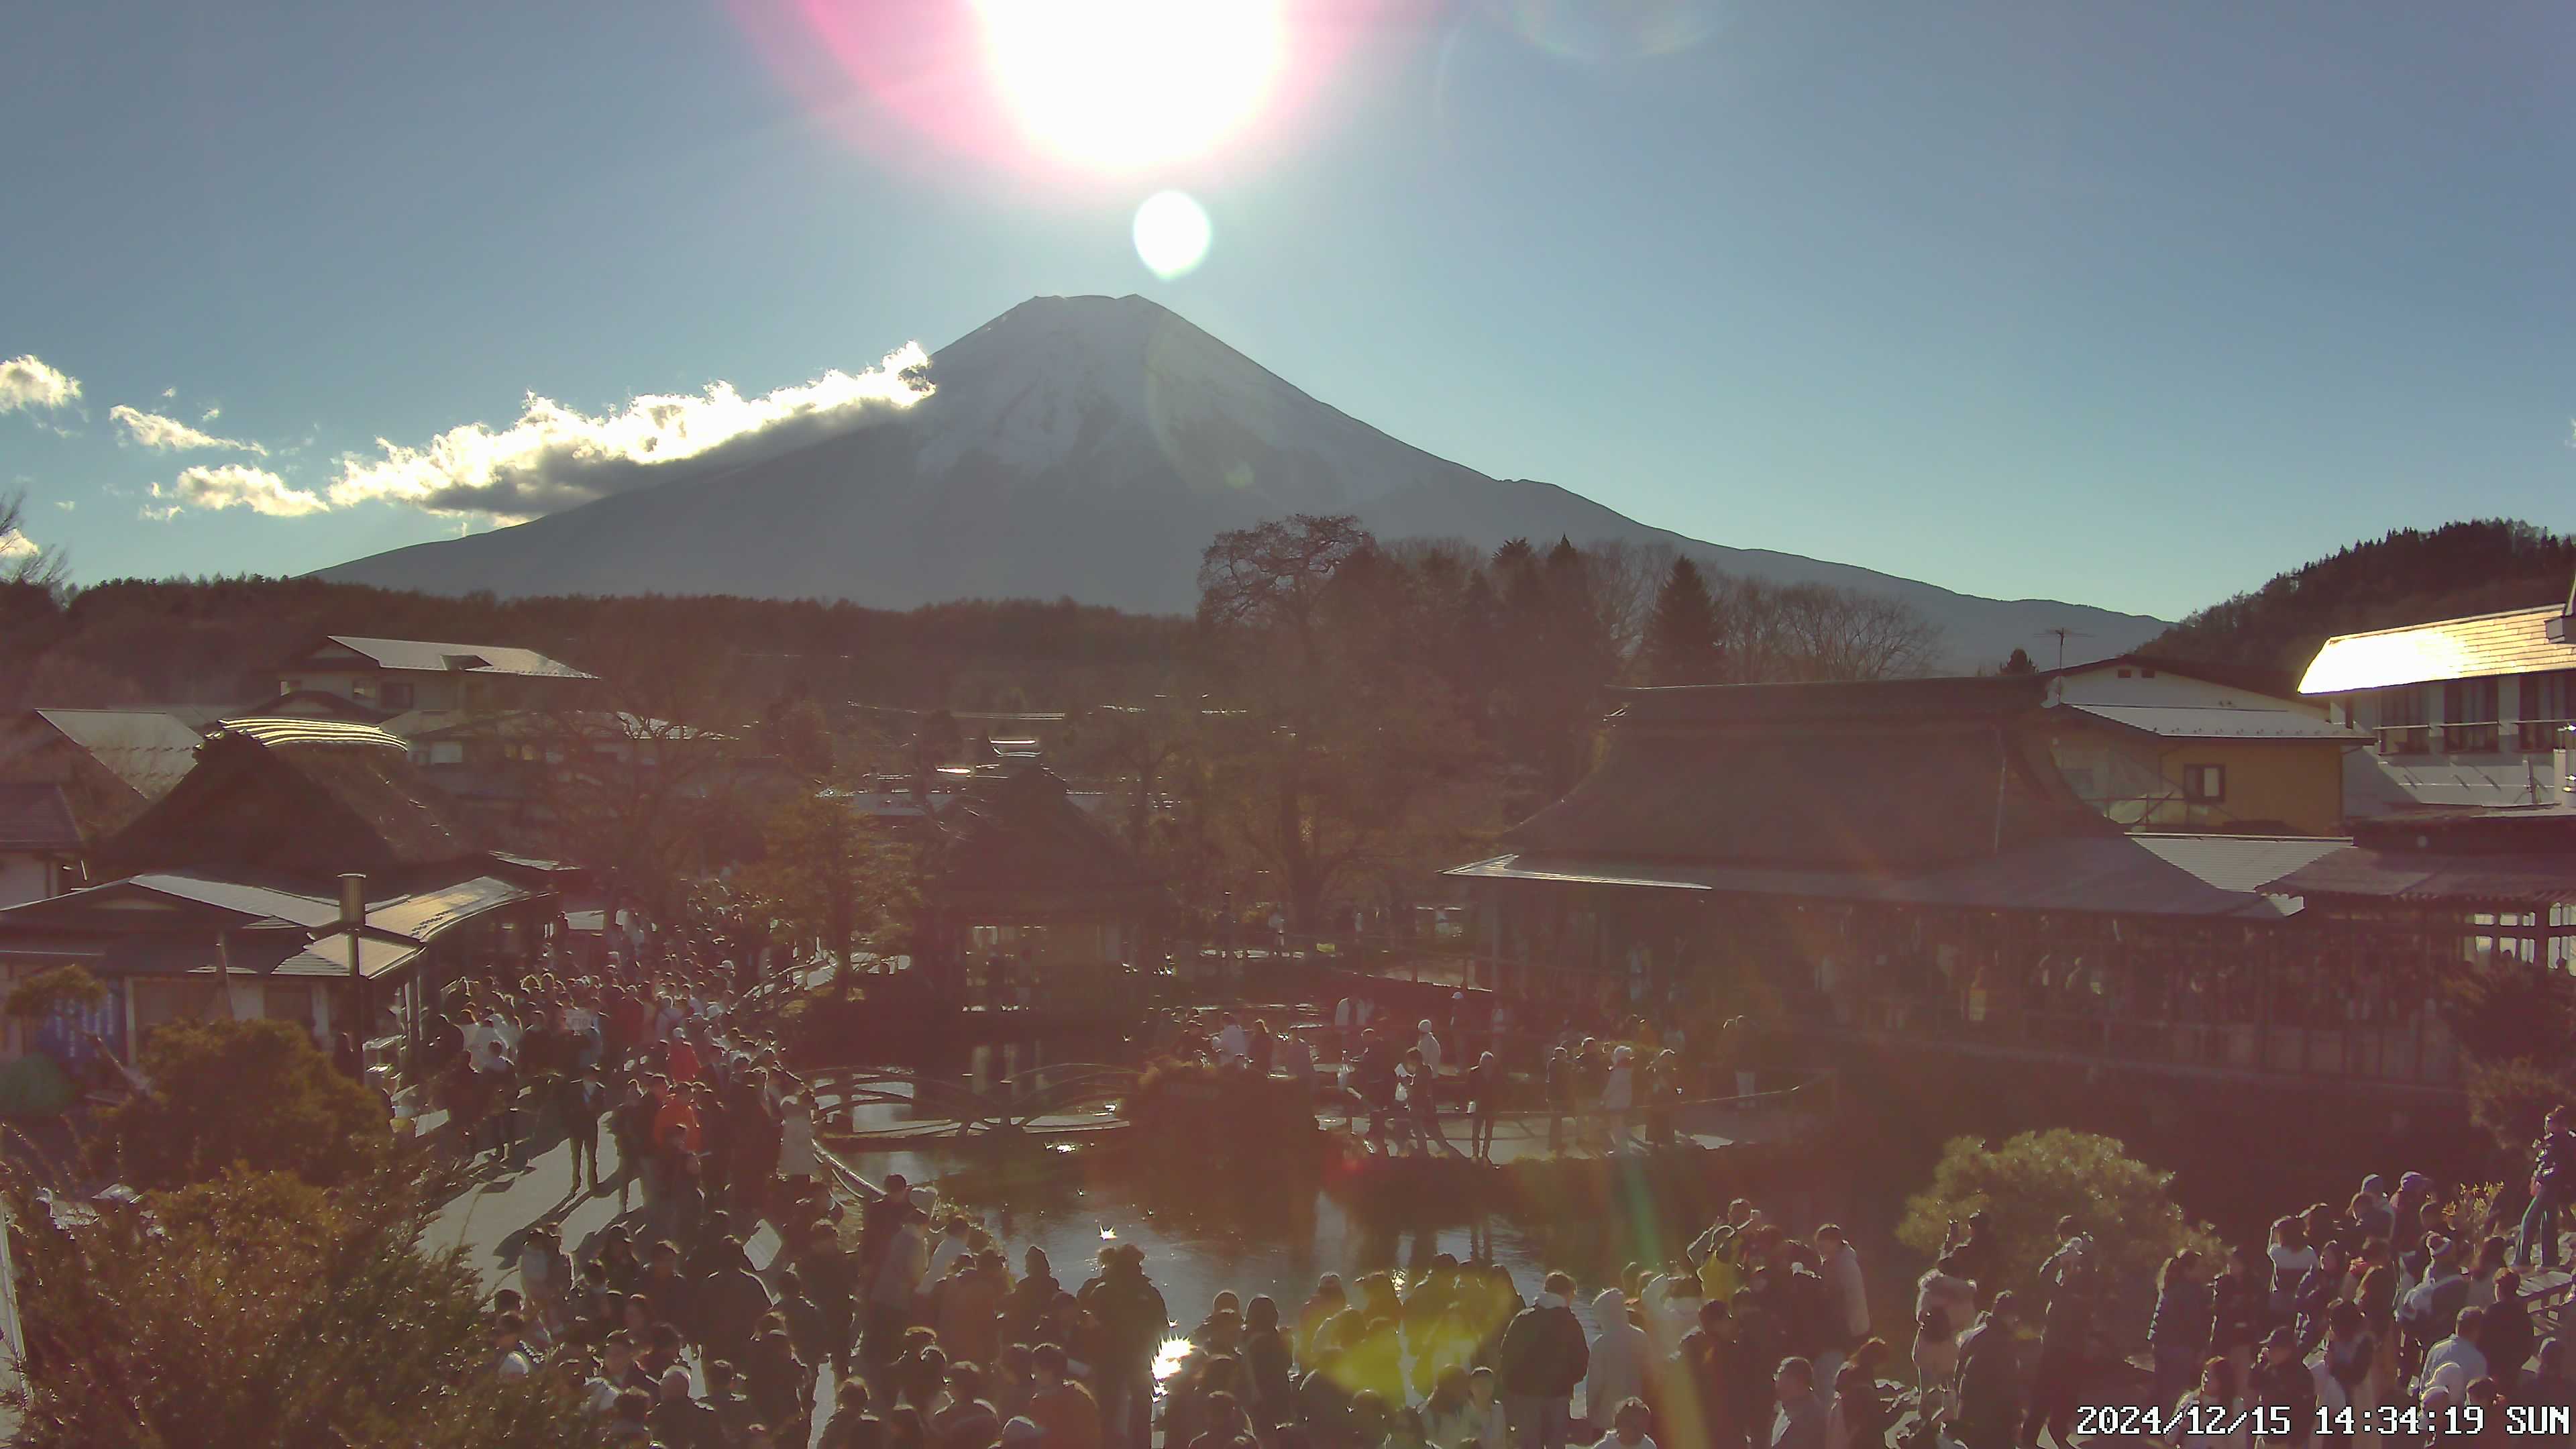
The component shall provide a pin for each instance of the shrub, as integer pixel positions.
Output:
(1196, 1108)
(248, 1094)
(39, 995)
(257, 1310)
(2028, 1183)
(2481, 1208)
(2508, 1099)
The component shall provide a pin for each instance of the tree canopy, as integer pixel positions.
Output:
(254, 1095)
(255, 1311)
(2030, 1181)
(2406, 576)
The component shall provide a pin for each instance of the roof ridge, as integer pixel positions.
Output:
(2441, 623)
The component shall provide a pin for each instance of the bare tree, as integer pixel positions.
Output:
(1625, 578)
(24, 563)
(1273, 575)
(1779, 633)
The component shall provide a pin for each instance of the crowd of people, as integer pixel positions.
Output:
(1388, 1078)
(914, 1327)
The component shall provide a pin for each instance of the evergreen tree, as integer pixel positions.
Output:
(2019, 663)
(1681, 637)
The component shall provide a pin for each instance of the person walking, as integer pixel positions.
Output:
(1619, 1096)
(578, 1100)
(1133, 1321)
(1617, 1372)
(2553, 1188)
(1543, 1357)
(497, 1077)
(1484, 1096)
(1799, 1421)
(1847, 1298)
(2178, 1334)
(1560, 1097)
(798, 1162)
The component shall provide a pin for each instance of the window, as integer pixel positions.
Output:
(2469, 713)
(2204, 782)
(447, 752)
(2401, 721)
(2548, 700)
(397, 696)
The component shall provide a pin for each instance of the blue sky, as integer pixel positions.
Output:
(2131, 304)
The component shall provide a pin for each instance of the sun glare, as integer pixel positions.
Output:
(1121, 84)
(1172, 234)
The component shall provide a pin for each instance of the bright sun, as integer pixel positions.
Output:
(1122, 84)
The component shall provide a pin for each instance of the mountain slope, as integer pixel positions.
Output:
(1090, 447)
(2408, 576)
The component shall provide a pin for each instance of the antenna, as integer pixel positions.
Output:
(2062, 633)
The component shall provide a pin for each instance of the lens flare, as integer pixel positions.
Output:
(1120, 85)
(1074, 96)
(1603, 30)
(1172, 234)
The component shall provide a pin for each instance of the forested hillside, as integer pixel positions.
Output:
(215, 641)
(2410, 576)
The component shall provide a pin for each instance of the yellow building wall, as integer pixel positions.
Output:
(2297, 782)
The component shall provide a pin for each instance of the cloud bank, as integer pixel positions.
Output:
(554, 458)
(27, 383)
(151, 430)
(236, 485)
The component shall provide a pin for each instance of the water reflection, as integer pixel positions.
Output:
(1245, 1236)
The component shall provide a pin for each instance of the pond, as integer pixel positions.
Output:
(1271, 1231)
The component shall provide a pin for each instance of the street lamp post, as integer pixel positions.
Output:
(353, 917)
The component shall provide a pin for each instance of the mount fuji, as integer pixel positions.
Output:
(1090, 447)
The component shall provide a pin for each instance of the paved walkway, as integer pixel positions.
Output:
(489, 1219)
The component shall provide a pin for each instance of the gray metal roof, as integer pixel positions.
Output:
(261, 902)
(148, 750)
(2212, 722)
(2527, 878)
(2152, 875)
(2515, 642)
(440, 658)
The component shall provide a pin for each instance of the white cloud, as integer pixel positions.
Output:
(66, 504)
(28, 383)
(235, 485)
(168, 393)
(14, 544)
(210, 415)
(151, 430)
(554, 458)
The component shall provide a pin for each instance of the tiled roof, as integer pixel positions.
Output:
(2516, 642)
(1896, 797)
(2209, 722)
